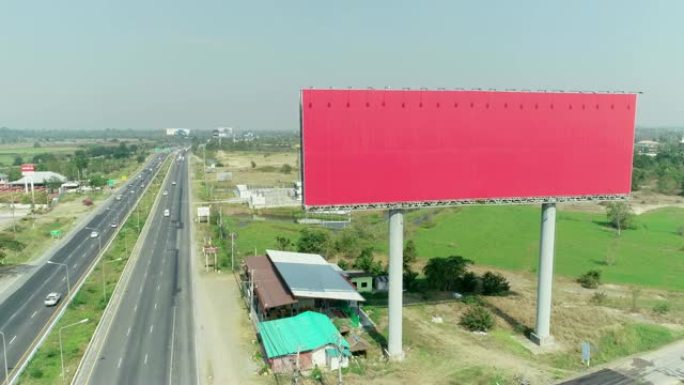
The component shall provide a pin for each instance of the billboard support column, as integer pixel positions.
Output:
(396, 268)
(542, 335)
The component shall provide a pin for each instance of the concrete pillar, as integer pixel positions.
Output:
(542, 335)
(396, 273)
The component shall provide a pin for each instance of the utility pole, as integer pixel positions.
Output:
(232, 251)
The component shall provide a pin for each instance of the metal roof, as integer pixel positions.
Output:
(309, 275)
(301, 333)
(39, 177)
(270, 290)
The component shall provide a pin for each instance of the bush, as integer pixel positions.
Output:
(494, 284)
(590, 280)
(477, 318)
(88, 202)
(599, 298)
(36, 373)
(661, 308)
(470, 283)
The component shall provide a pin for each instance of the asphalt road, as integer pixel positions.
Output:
(23, 315)
(151, 340)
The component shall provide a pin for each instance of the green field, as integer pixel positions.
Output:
(508, 237)
(9, 152)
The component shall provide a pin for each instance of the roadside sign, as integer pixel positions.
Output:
(111, 182)
(586, 353)
(56, 233)
(210, 249)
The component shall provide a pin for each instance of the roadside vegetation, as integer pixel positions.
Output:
(89, 303)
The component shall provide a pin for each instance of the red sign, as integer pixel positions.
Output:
(367, 147)
(28, 167)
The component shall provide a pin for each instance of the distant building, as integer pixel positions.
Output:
(178, 131)
(222, 132)
(4, 178)
(647, 147)
(39, 178)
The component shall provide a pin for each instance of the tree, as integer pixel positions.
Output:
(286, 169)
(445, 273)
(97, 181)
(313, 241)
(366, 262)
(410, 255)
(140, 158)
(18, 161)
(620, 215)
(253, 164)
(53, 184)
(13, 174)
(283, 243)
(494, 284)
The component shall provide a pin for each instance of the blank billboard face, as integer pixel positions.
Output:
(400, 148)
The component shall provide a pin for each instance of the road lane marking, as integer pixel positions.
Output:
(158, 287)
(63, 279)
(128, 333)
(119, 365)
(155, 306)
(34, 314)
(140, 291)
(12, 340)
(145, 359)
(135, 308)
(173, 328)
(151, 328)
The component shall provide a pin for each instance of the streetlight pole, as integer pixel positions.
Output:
(104, 278)
(4, 350)
(232, 251)
(61, 350)
(66, 268)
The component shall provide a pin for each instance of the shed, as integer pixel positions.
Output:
(309, 335)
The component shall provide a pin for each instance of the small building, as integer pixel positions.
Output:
(4, 178)
(647, 147)
(39, 178)
(381, 283)
(285, 283)
(362, 281)
(303, 342)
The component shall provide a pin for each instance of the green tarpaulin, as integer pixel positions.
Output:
(303, 332)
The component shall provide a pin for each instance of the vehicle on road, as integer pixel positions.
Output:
(166, 212)
(52, 299)
(173, 183)
(118, 197)
(94, 234)
(166, 193)
(113, 225)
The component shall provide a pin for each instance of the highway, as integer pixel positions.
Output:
(24, 318)
(151, 340)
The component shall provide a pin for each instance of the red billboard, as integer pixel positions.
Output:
(28, 167)
(383, 148)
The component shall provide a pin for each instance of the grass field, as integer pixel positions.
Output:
(26, 151)
(508, 237)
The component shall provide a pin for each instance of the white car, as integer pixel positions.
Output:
(94, 234)
(173, 183)
(166, 193)
(118, 197)
(113, 225)
(166, 212)
(52, 299)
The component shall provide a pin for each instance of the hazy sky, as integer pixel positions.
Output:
(202, 64)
